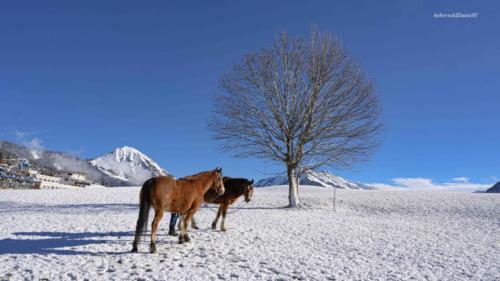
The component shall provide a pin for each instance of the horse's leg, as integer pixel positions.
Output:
(180, 222)
(154, 228)
(183, 227)
(188, 216)
(224, 212)
(214, 223)
(193, 223)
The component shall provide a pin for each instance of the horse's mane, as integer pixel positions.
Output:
(195, 176)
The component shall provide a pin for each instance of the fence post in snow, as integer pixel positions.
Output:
(335, 198)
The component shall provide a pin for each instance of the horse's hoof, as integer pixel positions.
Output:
(152, 249)
(223, 229)
(186, 238)
(195, 227)
(181, 239)
(134, 250)
(214, 226)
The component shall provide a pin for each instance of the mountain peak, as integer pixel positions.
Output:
(127, 153)
(127, 149)
(128, 164)
(310, 177)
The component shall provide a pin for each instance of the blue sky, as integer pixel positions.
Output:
(88, 77)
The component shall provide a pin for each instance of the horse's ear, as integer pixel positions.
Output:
(218, 169)
(251, 181)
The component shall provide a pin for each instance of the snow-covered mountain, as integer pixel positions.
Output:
(494, 189)
(325, 179)
(128, 165)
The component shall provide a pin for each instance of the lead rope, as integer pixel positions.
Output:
(238, 207)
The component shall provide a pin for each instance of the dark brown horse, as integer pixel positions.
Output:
(182, 196)
(235, 187)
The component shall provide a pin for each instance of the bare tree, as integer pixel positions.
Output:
(302, 103)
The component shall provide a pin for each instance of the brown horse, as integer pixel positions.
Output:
(182, 196)
(235, 187)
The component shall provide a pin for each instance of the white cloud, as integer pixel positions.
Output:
(34, 144)
(461, 179)
(413, 182)
(457, 184)
(383, 186)
(20, 134)
(36, 147)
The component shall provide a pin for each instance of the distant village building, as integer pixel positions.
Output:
(14, 174)
(60, 180)
(17, 173)
(45, 182)
(74, 178)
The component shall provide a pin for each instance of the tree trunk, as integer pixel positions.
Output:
(293, 188)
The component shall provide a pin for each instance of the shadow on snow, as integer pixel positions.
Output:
(14, 207)
(54, 241)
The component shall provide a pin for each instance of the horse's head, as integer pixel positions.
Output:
(248, 191)
(218, 185)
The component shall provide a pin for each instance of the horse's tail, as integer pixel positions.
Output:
(144, 207)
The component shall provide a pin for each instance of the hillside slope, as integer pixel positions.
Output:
(51, 161)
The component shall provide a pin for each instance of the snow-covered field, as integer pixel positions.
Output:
(374, 235)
